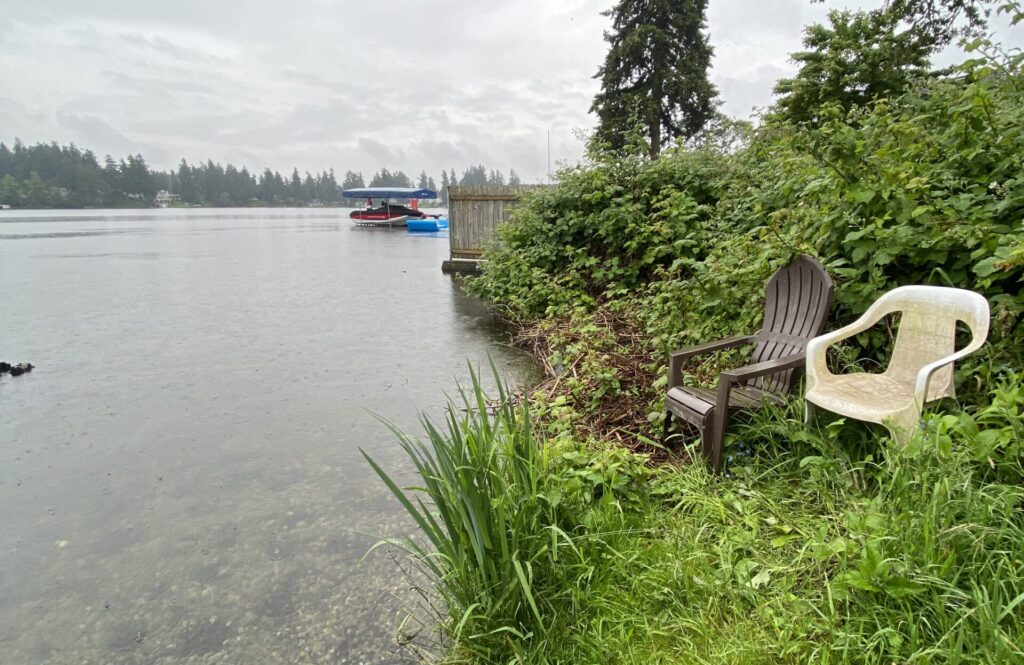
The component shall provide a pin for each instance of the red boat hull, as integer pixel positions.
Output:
(382, 215)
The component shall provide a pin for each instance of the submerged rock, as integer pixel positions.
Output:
(15, 370)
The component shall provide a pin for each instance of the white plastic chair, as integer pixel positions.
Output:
(921, 367)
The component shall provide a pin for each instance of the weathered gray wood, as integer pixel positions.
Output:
(474, 213)
(461, 266)
(797, 301)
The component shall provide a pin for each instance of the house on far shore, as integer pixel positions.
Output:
(164, 198)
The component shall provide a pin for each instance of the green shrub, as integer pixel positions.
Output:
(922, 189)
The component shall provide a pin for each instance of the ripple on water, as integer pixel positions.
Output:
(193, 492)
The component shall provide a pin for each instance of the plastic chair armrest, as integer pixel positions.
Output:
(924, 375)
(817, 348)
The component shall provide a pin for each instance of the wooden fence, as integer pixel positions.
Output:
(474, 212)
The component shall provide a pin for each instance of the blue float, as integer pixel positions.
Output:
(426, 225)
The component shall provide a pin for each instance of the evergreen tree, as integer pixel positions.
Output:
(266, 186)
(381, 178)
(329, 191)
(308, 188)
(655, 73)
(279, 188)
(136, 178)
(444, 188)
(246, 187)
(6, 160)
(212, 179)
(474, 175)
(66, 176)
(35, 193)
(111, 181)
(399, 179)
(187, 188)
(10, 193)
(295, 187)
(353, 180)
(513, 178)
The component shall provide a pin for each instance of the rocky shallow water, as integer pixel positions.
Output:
(180, 475)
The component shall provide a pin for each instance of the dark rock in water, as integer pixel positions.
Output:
(16, 370)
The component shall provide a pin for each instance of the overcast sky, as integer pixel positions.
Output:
(404, 84)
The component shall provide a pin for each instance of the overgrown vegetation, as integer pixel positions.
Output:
(925, 188)
(826, 544)
(808, 552)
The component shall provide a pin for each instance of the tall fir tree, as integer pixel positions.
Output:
(444, 187)
(353, 180)
(655, 73)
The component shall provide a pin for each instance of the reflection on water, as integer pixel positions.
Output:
(180, 479)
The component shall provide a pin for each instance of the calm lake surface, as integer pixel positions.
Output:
(180, 480)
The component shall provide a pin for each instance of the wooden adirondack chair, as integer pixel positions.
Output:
(797, 301)
(921, 367)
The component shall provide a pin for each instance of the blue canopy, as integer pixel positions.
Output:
(389, 193)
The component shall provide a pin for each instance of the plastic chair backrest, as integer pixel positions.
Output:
(927, 330)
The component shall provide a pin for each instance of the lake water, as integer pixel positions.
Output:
(180, 479)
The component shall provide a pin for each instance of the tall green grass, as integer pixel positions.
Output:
(480, 508)
(823, 545)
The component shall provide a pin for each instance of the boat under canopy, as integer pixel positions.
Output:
(387, 213)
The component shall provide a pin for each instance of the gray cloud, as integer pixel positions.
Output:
(378, 151)
(408, 85)
(94, 131)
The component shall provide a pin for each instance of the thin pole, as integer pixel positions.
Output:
(549, 155)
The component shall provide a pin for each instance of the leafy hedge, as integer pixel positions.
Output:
(926, 189)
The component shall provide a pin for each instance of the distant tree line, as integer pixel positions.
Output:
(56, 176)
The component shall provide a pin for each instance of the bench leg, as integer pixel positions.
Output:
(711, 436)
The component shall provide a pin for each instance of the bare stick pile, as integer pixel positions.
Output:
(620, 346)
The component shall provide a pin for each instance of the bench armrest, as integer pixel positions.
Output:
(748, 372)
(677, 359)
